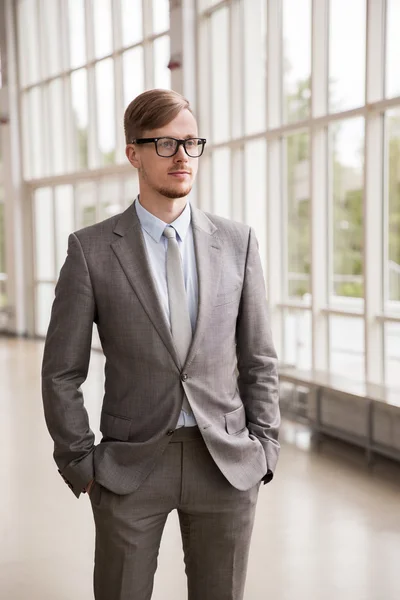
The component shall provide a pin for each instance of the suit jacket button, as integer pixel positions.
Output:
(170, 432)
(184, 376)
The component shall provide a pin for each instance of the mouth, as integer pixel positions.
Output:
(180, 174)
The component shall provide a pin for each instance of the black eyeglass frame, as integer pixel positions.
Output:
(179, 143)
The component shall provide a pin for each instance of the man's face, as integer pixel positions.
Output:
(171, 177)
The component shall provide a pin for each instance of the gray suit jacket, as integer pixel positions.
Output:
(106, 279)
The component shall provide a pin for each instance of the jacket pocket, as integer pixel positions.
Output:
(115, 427)
(228, 297)
(235, 421)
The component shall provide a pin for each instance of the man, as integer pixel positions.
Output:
(190, 414)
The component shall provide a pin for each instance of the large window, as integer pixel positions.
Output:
(57, 211)
(296, 152)
(81, 62)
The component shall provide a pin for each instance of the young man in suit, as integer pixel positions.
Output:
(190, 414)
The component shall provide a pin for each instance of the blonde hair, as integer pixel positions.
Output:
(151, 110)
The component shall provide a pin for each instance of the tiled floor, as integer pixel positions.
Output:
(326, 528)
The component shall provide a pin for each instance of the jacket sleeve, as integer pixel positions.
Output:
(257, 360)
(65, 367)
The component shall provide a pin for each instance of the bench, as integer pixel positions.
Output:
(363, 414)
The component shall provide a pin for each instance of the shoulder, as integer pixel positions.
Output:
(98, 230)
(230, 231)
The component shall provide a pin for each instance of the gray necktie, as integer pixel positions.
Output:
(181, 327)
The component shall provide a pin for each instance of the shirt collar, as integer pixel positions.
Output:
(155, 227)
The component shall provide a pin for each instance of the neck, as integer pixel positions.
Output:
(165, 209)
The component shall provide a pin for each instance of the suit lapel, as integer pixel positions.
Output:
(208, 260)
(131, 252)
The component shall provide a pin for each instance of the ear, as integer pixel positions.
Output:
(132, 155)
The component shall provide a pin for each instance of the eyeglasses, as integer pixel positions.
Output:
(167, 146)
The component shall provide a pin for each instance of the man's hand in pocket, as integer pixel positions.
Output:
(89, 487)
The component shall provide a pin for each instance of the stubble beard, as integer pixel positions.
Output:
(164, 191)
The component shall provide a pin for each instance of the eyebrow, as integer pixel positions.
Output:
(187, 137)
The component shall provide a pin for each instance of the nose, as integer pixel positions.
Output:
(181, 155)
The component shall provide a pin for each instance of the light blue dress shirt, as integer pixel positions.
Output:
(156, 246)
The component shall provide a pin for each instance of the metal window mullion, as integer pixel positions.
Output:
(203, 96)
(147, 15)
(118, 80)
(64, 37)
(318, 174)
(189, 51)
(55, 248)
(274, 173)
(274, 241)
(373, 197)
(47, 158)
(177, 29)
(274, 67)
(284, 216)
(235, 70)
(93, 147)
(237, 183)
(319, 248)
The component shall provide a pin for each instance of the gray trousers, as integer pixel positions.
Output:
(216, 522)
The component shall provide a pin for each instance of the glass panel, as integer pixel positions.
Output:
(105, 110)
(296, 59)
(44, 234)
(255, 206)
(131, 189)
(133, 68)
(64, 207)
(77, 36)
(3, 275)
(43, 304)
(33, 133)
(2, 235)
(160, 16)
(50, 17)
(347, 54)
(392, 48)
(110, 198)
(255, 60)
(392, 354)
(57, 131)
(219, 75)
(26, 150)
(80, 120)
(162, 75)
(86, 204)
(298, 214)
(347, 156)
(347, 346)
(102, 16)
(28, 37)
(221, 160)
(132, 22)
(298, 339)
(204, 4)
(393, 193)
